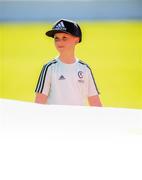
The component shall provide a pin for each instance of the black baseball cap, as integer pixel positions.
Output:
(66, 26)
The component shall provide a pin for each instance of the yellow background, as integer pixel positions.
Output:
(112, 49)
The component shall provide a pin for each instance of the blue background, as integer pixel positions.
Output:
(79, 10)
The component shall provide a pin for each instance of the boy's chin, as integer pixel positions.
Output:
(61, 50)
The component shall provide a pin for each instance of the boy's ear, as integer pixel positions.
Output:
(77, 40)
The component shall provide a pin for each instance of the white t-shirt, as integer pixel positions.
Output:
(66, 84)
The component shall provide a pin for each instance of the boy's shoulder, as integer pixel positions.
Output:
(50, 62)
(83, 63)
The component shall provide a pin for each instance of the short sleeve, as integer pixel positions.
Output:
(92, 87)
(44, 80)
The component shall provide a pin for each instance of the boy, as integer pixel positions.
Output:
(66, 80)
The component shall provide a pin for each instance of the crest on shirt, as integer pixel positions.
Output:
(80, 74)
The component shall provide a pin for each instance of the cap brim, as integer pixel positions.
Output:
(51, 33)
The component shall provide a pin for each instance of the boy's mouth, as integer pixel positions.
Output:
(60, 47)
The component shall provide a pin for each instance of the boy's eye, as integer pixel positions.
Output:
(56, 38)
(65, 38)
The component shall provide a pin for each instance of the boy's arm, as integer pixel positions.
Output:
(94, 101)
(41, 98)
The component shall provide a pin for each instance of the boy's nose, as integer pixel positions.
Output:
(60, 41)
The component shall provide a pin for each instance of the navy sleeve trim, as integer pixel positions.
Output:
(94, 80)
(41, 79)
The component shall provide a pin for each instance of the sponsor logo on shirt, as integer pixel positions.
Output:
(81, 81)
(62, 77)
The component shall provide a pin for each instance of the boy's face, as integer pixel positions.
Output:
(65, 42)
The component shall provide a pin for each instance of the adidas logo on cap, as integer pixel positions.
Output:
(60, 26)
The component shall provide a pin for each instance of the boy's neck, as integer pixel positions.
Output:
(67, 58)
